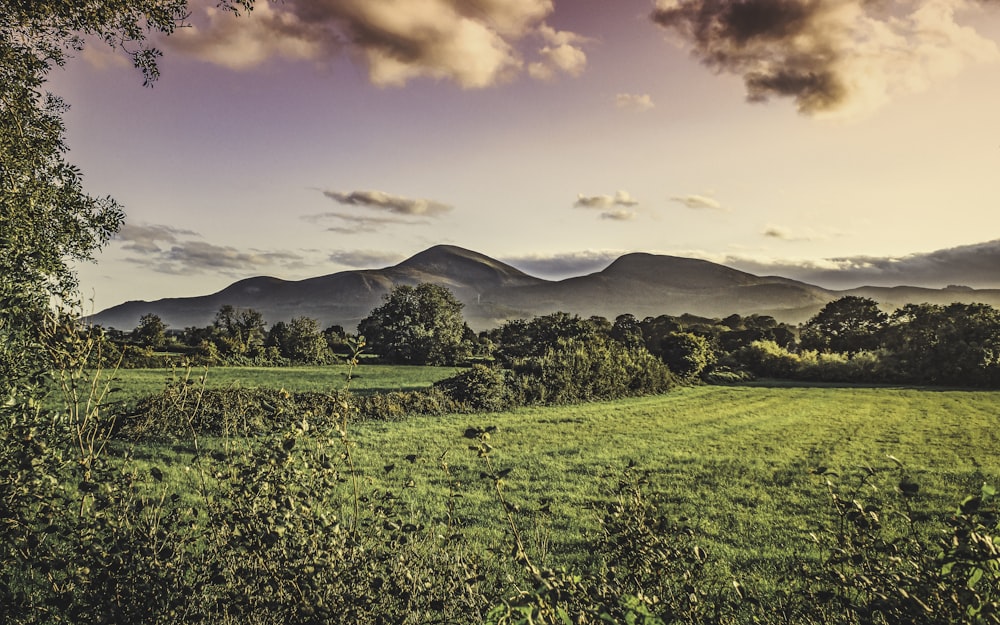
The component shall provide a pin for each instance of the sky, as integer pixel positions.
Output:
(840, 142)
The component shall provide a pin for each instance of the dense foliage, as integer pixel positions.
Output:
(418, 325)
(47, 220)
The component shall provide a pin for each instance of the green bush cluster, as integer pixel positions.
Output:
(183, 408)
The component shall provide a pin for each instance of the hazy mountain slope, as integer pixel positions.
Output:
(342, 298)
(493, 292)
(650, 285)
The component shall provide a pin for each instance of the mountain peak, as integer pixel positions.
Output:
(464, 267)
(676, 271)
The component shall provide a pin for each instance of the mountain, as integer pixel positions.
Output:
(342, 298)
(493, 292)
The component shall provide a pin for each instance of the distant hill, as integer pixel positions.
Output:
(493, 292)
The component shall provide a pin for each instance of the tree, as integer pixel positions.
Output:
(626, 331)
(47, 220)
(305, 343)
(151, 332)
(848, 325)
(955, 344)
(420, 325)
(240, 332)
(518, 339)
(687, 354)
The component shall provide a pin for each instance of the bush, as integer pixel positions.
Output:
(479, 387)
(586, 369)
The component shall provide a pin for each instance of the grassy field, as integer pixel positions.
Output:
(130, 384)
(736, 464)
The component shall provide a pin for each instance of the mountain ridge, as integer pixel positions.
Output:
(639, 283)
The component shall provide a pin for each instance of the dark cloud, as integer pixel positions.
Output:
(365, 259)
(559, 266)
(828, 55)
(977, 266)
(391, 203)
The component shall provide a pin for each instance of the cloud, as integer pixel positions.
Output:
(354, 224)
(698, 202)
(606, 203)
(146, 238)
(636, 102)
(969, 265)
(474, 43)
(787, 234)
(365, 259)
(832, 57)
(171, 250)
(562, 53)
(559, 266)
(391, 203)
(620, 198)
(619, 215)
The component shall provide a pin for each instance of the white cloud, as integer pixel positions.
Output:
(620, 198)
(698, 202)
(474, 43)
(619, 215)
(634, 102)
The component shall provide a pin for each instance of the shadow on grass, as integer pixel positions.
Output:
(780, 383)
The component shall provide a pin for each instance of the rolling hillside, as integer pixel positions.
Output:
(493, 292)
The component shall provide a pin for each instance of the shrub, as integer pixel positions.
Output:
(480, 387)
(592, 368)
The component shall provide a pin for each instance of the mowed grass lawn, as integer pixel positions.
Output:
(736, 464)
(739, 465)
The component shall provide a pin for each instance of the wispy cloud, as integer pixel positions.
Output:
(698, 202)
(170, 250)
(475, 43)
(147, 238)
(836, 57)
(634, 102)
(619, 215)
(365, 259)
(559, 266)
(346, 223)
(391, 203)
(783, 233)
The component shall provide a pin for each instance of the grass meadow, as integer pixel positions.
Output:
(744, 467)
(131, 384)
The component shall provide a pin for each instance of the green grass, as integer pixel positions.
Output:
(131, 384)
(737, 464)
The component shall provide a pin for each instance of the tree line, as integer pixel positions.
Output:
(850, 340)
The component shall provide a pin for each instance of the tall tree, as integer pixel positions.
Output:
(151, 331)
(417, 325)
(47, 220)
(848, 325)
